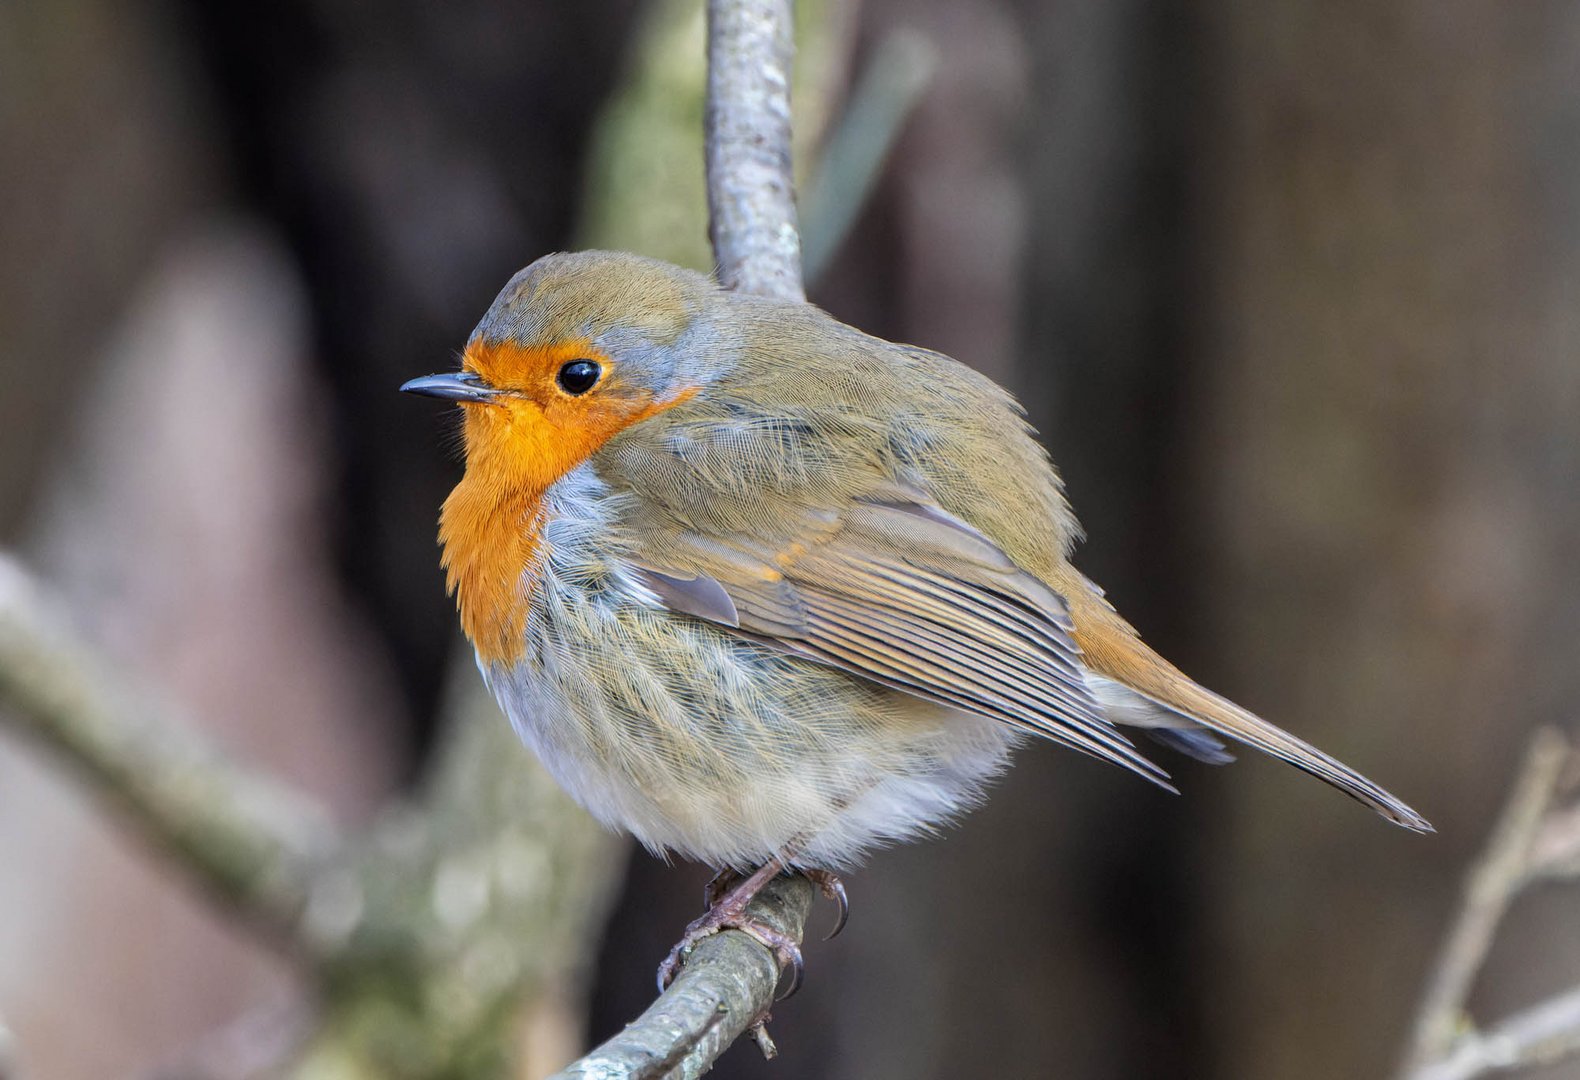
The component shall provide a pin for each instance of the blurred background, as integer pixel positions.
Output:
(1292, 292)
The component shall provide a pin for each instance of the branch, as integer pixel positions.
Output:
(751, 187)
(724, 989)
(1556, 853)
(1541, 1035)
(1530, 843)
(1488, 892)
(457, 912)
(728, 980)
(254, 843)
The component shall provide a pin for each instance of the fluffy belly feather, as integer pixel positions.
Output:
(724, 750)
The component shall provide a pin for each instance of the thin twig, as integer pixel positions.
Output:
(751, 188)
(1541, 1035)
(726, 985)
(1556, 853)
(1488, 891)
(255, 843)
(1511, 862)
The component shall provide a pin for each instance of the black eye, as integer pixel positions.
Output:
(579, 376)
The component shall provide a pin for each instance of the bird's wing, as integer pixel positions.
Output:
(894, 589)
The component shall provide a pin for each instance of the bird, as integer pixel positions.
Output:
(767, 592)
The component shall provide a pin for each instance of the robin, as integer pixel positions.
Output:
(765, 591)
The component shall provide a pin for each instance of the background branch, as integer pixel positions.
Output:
(883, 99)
(1531, 842)
(490, 859)
(1541, 1035)
(254, 843)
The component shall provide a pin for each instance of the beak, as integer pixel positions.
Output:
(463, 386)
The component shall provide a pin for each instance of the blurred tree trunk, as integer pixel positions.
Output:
(1388, 460)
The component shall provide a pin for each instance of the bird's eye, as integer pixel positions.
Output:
(579, 376)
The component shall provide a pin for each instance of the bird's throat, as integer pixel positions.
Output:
(491, 535)
(491, 526)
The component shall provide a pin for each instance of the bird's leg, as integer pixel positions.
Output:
(827, 882)
(727, 911)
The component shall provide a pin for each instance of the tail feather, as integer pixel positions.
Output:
(1111, 647)
(1193, 741)
(1122, 705)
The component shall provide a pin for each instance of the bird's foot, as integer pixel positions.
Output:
(827, 882)
(728, 912)
(727, 896)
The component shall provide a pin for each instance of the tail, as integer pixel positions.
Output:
(1111, 648)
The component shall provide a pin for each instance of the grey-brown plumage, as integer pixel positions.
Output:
(773, 587)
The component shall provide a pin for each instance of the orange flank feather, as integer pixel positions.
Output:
(517, 445)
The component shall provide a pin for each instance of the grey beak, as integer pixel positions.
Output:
(456, 386)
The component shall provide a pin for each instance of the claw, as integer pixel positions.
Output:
(833, 889)
(727, 895)
(797, 969)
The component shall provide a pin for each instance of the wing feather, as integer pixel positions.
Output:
(1008, 667)
(979, 691)
(896, 590)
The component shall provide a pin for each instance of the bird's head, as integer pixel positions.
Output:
(575, 349)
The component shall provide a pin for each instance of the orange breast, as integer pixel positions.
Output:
(490, 539)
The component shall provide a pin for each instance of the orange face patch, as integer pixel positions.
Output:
(516, 446)
(535, 432)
